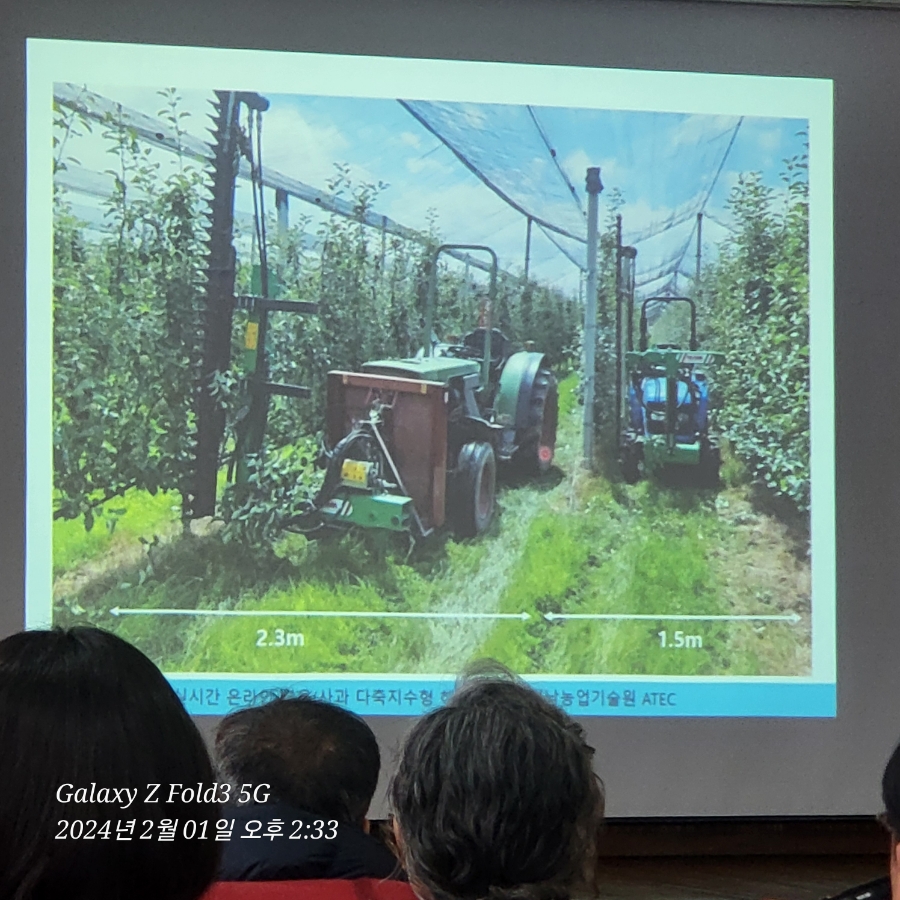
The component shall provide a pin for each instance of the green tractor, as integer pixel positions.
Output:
(409, 443)
(414, 443)
(667, 399)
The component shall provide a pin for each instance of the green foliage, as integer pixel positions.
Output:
(756, 311)
(568, 399)
(136, 515)
(605, 400)
(734, 471)
(547, 317)
(67, 123)
(126, 332)
(673, 326)
(276, 491)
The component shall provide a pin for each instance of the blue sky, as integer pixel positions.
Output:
(662, 162)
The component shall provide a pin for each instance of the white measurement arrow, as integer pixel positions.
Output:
(317, 613)
(553, 617)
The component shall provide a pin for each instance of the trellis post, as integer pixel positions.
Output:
(594, 186)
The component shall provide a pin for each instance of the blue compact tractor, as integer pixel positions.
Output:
(667, 405)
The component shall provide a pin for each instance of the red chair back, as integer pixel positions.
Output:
(332, 889)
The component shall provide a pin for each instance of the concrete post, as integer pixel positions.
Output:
(593, 186)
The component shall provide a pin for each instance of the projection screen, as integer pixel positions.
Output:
(678, 560)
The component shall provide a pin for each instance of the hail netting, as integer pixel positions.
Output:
(506, 147)
(659, 171)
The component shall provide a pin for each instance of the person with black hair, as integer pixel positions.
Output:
(314, 764)
(495, 797)
(87, 725)
(890, 796)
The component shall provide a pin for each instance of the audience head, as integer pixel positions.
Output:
(890, 795)
(82, 707)
(495, 796)
(890, 792)
(314, 756)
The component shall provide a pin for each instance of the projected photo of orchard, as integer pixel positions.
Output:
(353, 385)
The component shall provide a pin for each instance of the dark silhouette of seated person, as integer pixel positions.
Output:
(890, 818)
(320, 764)
(495, 797)
(501, 348)
(85, 717)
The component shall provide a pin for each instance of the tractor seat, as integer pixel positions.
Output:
(500, 345)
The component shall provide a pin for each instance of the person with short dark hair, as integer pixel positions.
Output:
(87, 724)
(495, 797)
(890, 796)
(314, 764)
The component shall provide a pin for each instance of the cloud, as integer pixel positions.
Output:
(729, 179)
(308, 152)
(769, 139)
(640, 215)
(576, 164)
(458, 205)
(429, 164)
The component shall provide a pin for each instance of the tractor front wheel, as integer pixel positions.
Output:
(475, 488)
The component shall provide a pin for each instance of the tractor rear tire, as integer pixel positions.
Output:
(631, 464)
(710, 463)
(536, 455)
(475, 488)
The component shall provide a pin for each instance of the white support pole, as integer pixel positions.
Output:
(593, 186)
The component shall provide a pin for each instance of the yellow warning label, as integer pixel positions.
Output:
(251, 338)
(355, 472)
